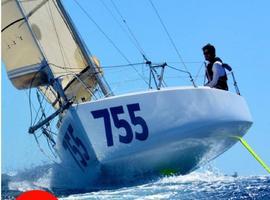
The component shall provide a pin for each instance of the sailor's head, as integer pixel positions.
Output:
(209, 52)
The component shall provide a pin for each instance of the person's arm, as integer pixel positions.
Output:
(206, 76)
(217, 70)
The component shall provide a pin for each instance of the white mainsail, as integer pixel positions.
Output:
(57, 43)
(48, 27)
(21, 54)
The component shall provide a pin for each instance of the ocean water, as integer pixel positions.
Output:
(203, 184)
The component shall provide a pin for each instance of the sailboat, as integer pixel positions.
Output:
(153, 132)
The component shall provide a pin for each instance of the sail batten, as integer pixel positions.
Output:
(12, 23)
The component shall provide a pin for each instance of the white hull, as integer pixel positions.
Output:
(175, 129)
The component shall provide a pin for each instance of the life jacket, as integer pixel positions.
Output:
(222, 81)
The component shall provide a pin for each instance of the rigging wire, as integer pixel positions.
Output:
(100, 29)
(108, 38)
(187, 72)
(189, 62)
(127, 65)
(76, 76)
(44, 153)
(74, 70)
(51, 148)
(49, 11)
(170, 38)
(57, 36)
(31, 105)
(67, 26)
(180, 70)
(122, 28)
(46, 133)
(50, 131)
(108, 66)
(47, 108)
(29, 95)
(130, 33)
(40, 107)
(199, 71)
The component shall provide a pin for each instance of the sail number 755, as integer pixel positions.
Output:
(114, 113)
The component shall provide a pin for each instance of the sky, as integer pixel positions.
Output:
(238, 29)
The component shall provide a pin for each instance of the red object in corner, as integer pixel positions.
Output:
(36, 195)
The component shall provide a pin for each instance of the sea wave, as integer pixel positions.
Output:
(203, 184)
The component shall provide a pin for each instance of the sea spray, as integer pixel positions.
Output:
(205, 184)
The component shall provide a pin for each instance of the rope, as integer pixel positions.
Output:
(253, 153)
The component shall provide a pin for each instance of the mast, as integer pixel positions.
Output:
(100, 80)
(54, 82)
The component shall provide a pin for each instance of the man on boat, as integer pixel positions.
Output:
(214, 69)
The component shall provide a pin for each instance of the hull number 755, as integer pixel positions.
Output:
(114, 113)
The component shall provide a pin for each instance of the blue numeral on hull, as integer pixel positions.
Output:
(114, 112)
(121, 123)
(76, 147)
(132, 108)
(108, 128)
